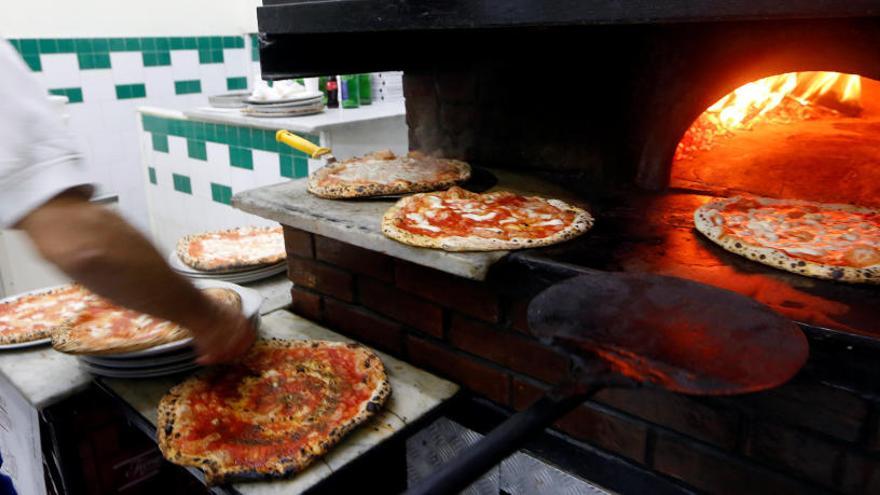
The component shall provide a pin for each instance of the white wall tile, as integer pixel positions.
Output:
(159, 82)
(60, 70)
(98, 85)
(213, 78)
(185, 64)
(128, 67)
(237, 61)
(267, 169)
(177, 146)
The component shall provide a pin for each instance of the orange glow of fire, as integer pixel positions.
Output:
(745, 106)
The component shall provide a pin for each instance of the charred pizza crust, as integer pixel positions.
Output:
(704, 223)
(173, 407)
(183, 251)
(68, 338)
(581, 223)
(323, 183)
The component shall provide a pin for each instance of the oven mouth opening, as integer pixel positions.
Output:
(812, 135)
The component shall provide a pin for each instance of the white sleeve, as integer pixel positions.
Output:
(39, 158)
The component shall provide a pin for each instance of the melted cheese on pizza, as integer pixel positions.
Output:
(105, 327)
(504, 215)
(809, 232)
(238, 247)
(277, 403)
(37, 314)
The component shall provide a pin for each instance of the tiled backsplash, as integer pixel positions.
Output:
(106, 79)
(193, 169)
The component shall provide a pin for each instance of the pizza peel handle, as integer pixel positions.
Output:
(304, 145)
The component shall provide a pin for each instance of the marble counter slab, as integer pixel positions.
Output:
(311, 124)
(414, 394)
(275, 291)
(358, 222)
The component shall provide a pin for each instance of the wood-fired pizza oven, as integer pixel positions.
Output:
(597, 96)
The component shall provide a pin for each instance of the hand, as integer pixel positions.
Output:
(222, 335)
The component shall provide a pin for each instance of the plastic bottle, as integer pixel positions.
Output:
(349, 93)
(365, 88)
(332, 93)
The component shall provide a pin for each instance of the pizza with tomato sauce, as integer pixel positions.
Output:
(459, 220)
(383, 173)
(104, 328)
(36, 316)
(233, 249)
(284, 404)
(830, 241)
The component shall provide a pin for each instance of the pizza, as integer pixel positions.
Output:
(284, 404)
(36, 316)
(104, 328)
(829, 241)
(233, 249)
(382, 173)
(459, 220)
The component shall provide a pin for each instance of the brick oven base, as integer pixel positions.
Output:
(820, 433)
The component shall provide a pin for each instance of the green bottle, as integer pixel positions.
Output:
(349, 93)
(322, 87)
(365, 88)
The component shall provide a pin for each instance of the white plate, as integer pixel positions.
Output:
(32, 343)
(182, 267)
(139, 373)
(189, 355)
(305, 95)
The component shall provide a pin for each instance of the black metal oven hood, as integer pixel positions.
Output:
(315, 37)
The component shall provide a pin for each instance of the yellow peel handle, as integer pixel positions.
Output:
(296, 142)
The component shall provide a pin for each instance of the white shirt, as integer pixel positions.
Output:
(39, 157)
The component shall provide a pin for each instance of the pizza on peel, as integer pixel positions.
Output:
(829, 241)
(284, 404)
(460, 220)
(382, 173)
(233, 249)
(36, 316)
(104, 328)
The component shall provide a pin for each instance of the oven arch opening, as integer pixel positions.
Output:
(811, 135)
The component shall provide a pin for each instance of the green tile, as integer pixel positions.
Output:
(187, 87)
(117, 44)
(286, 165)
(127, 91)
(16, 44)
(241, 158)
(217, 56)
(199, 130)
(86, 61)
(190, 43)
(83, 45)
(29, 47)
(160, 142)
(66, 45)
(33, 61)
(48, 46)
(150, 59)
(233, 83)
(102, 60)
(74, 95)
(101, 45)
(182, 183)
(221, 193)
(152, 173)
(148, 44)
(164, 58)
(132, 44)
(300, 166)
(175, 43)
(205, 56)
(203, 42)
(244, 137)
(163, 44)
(196, 149)
(229, 41)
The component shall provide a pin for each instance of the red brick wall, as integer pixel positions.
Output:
(804, 437)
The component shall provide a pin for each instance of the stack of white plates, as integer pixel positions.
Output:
(303, 104)
(241, 276)
(170, 358)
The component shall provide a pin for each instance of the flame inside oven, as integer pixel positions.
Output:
(783, 98)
